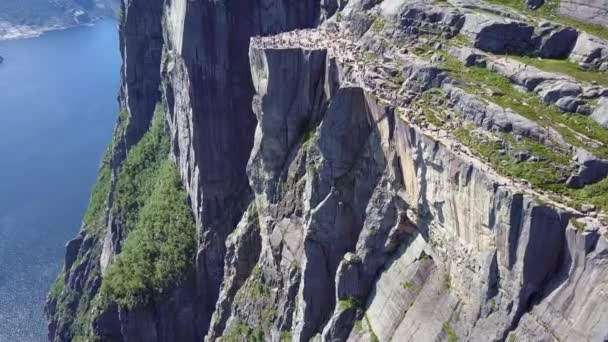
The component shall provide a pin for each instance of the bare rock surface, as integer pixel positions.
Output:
(325, 148)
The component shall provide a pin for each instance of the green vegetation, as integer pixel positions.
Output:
(373, 336)
(461, 40)
(94, 217)
(379, 24)
(339, 16)
(538, 173)
(512, 337)
(351, 303)
(542, 174)
(308, 134)
(159, 251)
(72, 308)
(254, 288)
(139, 173)
(159, 248)
(256, 292)
(441, 2)
(397, 80)
(286, 336)
(596, 194)
(58, 286)
(566, 67)
(410, 285)
(447, 280)
(482, 82)
(580, 227)
(536, 149)
(241, 331)
(432, 107)
(358, 326)
(449, 331)
(549, 12)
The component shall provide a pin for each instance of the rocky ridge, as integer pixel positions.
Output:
(401, 179)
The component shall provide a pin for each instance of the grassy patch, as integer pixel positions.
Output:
(159, 251)
(481, 82)
(351, 303)
(549, 12)
(379, 24)
(447, 281)
(536, 149)
(433, 106)
(449, 331)
(58, 287)
(461, 40)
(580, 227)
(255, 288)
(541, 174)
(566, 67)
(596, 194)
(538, 173)
(358, 326)
(285, 336)
(242, 331)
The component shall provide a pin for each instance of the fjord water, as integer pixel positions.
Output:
(57, 108)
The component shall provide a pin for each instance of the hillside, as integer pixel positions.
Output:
(368, 170)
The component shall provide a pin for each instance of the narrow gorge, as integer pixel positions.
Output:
(349, 170)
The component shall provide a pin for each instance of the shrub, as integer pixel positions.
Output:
(138, 173)
(159, 252)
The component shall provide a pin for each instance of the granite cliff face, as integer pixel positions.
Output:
(356, 171)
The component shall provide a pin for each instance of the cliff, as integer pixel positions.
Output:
(348, 171)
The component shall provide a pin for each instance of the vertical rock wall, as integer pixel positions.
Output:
(208, 91)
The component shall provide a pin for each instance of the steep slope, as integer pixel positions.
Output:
(407, 170)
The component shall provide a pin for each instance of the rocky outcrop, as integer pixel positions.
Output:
(591, 11)
(208, 91)
(591, 52)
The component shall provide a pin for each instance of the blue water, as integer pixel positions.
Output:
(57, 108)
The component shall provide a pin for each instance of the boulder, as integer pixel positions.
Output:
(590, 170)
(522, 74)
(590, 11)
(600, 114)
(569, 104)
(71, 251)
(590, 52)
(499, 35)
(553, 92)
(467, 56)
(534, 4)
(555, 41)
